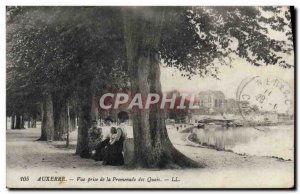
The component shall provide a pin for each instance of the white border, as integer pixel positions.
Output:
(3, 3)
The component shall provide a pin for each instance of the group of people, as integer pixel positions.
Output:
(106, 143)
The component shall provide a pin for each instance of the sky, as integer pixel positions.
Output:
(230, 77)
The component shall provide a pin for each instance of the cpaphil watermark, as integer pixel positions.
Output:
(163, 101)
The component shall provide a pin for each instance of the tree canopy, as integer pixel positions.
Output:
(197, 38)
(77, 51)
(53, 49)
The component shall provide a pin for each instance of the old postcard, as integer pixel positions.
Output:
(150, 97)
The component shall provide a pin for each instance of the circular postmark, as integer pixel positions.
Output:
(261, 101)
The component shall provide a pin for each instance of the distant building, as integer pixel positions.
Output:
(232, 106)
(285, 117)
(215, 102)
(212, 102)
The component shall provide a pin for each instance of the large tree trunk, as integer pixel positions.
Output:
(22, 121)
(33, 122)
(60, 116)
(28, 122)
(85, 118)
(12, 122)
(47, 119)
(62, 125)
(152, 146)
(72, 120)
(18, 122)
(68, 125)
(94, 109)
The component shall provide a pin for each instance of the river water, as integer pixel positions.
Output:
(277, 141)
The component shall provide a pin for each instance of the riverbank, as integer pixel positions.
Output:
(195, 142)
(273, 141)
(28, 157)
(217, 159)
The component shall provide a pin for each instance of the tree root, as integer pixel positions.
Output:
(171, 159)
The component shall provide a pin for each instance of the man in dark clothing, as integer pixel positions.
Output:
(95, 136)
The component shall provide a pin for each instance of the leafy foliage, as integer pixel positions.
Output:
(195, 39)
(53, 49)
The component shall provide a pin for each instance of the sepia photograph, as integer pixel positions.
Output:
(150, 97)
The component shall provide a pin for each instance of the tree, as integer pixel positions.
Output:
(19, 105)
(97, 45)
(30, 59)
(76, 51)
(192, 39)
(66, 52)
(152, 147)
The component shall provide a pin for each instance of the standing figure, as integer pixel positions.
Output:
(101, 146)
(95, 136)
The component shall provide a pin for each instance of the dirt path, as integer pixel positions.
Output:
(25, 152)
(26, 156)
